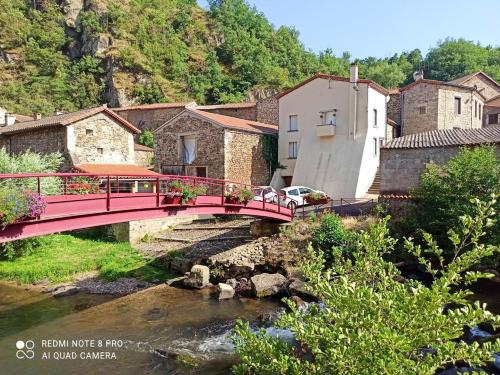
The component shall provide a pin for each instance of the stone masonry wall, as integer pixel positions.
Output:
(209, 144)
(99, 139)
(487, 88)
(448, 119)
(268, 110)
(400, 169)
(421, 95)
(44, 141)
(244, 113)
(143, 158)
(394, 107)
(243, 159)
(149, 118)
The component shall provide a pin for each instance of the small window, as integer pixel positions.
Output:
(292, 150)
(89, 132)
(458, 105)
(480, 111)
(493, 119)
(329, 118)
(201, 172)
(294, 125)
(375, 118)
(375, 147)
(475, 108)
(100, 150)
(422, 110)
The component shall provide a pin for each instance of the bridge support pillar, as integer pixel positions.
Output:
(134, 231)
(265, 228)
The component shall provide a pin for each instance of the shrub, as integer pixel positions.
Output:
(18, 205)
(369, 322)
(146, 138)
(330, 233)
(16, 249)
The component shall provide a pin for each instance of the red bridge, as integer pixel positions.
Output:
(68, 201)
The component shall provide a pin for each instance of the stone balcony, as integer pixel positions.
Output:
(325, 130)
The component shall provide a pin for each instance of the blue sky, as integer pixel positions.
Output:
(381, 27)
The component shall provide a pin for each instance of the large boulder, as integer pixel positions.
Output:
(226, 291)
(296, 288)
(267, 284)
(199, 277)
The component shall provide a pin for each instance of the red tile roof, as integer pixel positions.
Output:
(115, 169)
(153, 106)
(236, 123)
(139, 147)
(66, 119)
(369, 82)
(227, 106)
(446, 138)
(22, 118)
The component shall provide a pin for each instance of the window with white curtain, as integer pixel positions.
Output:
(188, 149)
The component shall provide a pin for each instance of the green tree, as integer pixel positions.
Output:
(372, 323)
(146, 138)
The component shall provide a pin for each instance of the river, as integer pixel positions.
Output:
(159, 330)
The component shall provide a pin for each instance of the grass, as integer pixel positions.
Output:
(60, 257)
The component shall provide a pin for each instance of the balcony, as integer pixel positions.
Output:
(325, 130)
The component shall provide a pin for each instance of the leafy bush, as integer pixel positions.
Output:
(17, 205)
(330, 233)
(445, 192)
(146, 138)
(16, 249)
(370, 322)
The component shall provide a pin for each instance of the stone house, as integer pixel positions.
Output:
(205, 144)
(426, 105)
(403, 160)
(487, 86)
(330, 132)
(90, 136)
(492, 111)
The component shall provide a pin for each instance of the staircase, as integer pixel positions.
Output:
(375, 188)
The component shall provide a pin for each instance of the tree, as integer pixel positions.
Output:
(146, 138)
(444, 193)
(369, 322)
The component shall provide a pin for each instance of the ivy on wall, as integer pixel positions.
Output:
(270, 152)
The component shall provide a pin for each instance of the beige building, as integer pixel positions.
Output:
(90, 136)
(330, 132)
(204, 144)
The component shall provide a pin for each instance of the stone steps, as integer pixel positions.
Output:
(195, 240)
(375, 186)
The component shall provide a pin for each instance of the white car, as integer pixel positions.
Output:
(293, 196)
(268, 192)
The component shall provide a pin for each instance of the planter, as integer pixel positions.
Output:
(190, 202)
(317, 201)
(232, 200)
(176, 199)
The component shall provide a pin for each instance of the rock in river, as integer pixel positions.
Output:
(226, 291)
(198, 277)
(267, 284)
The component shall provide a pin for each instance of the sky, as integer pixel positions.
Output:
(381, 28)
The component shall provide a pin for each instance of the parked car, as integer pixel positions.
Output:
(268, 192)
(293, 196)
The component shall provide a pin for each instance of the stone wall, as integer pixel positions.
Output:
(100, 139)
(394, 107)
(209, 144)
(400, 169)
(268, 110)
(243, 159)
(149, 118)
(421, 95)
(248, 113)
(44, 141)
(487, 88)
(448, 119)
(143, 158)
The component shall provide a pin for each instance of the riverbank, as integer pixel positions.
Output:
(63, 257)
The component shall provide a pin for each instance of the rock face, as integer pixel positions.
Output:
(225, 291)
(267, 284)
(198, 277)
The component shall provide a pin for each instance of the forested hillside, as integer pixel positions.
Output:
(69, 54)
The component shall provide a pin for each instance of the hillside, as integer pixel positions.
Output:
(69, 54)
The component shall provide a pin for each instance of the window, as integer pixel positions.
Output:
(188, 149)
(294, 125)
(329, 117)
(422, 110)
(475, 108)
(201, 171)
(375, 146)
(100, 150)
(304, 191)
(293, 192)
(89, 132)
(493, 118)
(375, 119)
(480, 111)
(292, 150)
(458, 105)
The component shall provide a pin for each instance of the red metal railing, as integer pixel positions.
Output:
(111, 192)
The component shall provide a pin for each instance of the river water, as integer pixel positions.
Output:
(157, 331)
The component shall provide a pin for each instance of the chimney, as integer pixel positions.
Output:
(353, 73)
(58, 112)
(10, 119)
(37, 116)
(418, 75)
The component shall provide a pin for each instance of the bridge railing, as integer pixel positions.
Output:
(113, 187)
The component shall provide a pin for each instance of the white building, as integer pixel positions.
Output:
(330, 132)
